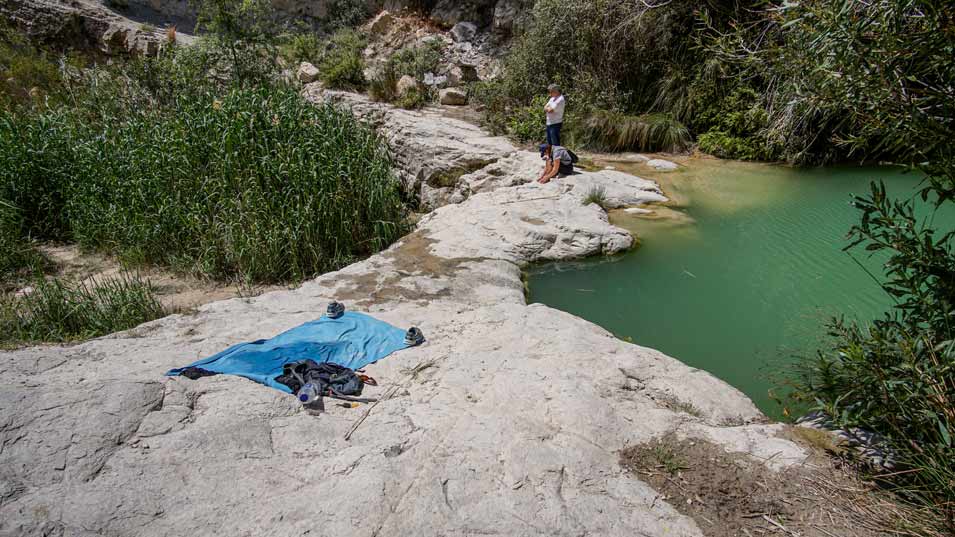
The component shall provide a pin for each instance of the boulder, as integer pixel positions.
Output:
(381, 23)
(453, 96)
(661, 165)
(405, 84)
(306, 73)
(454, 11)
(463, 31)
(431, 79)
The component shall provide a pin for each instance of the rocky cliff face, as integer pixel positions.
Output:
(512, 424)
(495, 14)
(82, 24)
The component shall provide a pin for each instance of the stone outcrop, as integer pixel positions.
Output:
(306, 73)
(662, 165)
(512, 423)
(463, 31)
(453, 97)
(466, 54)
(84, 24)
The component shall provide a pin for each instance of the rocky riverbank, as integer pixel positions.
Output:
(513, 425)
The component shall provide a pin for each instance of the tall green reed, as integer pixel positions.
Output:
(245, 182)
(54, 311)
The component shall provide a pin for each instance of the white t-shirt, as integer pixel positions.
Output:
(557, 104)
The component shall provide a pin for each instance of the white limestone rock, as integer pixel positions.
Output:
(662, 165)
(453, 97)
(306, 73)
(406, 83)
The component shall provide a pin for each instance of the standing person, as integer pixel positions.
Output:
(555, 114)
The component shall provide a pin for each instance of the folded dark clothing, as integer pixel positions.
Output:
(327, 376)
(196, 372)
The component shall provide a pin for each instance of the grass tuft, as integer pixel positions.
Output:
(54, 311)
(666, 458)
(597, 195)
(610, 131)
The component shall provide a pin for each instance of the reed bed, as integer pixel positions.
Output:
(55, 311)
(252, 183)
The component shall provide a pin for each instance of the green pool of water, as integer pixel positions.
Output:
(738, 275)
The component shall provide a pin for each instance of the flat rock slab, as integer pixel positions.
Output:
(513, 424)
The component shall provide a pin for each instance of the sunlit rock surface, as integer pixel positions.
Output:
(513, 426)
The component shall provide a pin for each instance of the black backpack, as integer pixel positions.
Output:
(573, 156)
(331, 379)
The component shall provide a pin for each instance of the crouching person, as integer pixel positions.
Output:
(557, 161)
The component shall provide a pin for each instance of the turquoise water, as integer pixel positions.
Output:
(738, 275)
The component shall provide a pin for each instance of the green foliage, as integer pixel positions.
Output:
(384, 86)
(416, 61)
(55, 311)
(874, 80)
(632, 61)
(736, 125)
(412, 98)
(608, 131)
(219, 179)
(18, 258)
(346, 13)
(724, 145)
(342, 65)
(245, 34)
(597, 195)
(900, 384)
(27, 73)
(301, 47)
(412, 62)
(527, 122)
(665, 455)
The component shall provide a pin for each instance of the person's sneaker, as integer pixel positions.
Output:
(335, 310)
(414, 337)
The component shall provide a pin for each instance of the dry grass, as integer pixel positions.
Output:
(736, 495)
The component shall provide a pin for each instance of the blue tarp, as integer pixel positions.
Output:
(353, 340)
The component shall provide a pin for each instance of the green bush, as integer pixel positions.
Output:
(607, 131)
(526, 123)
(346, 13)
(55, 311)
(633, 61)
(412, 98)
(301, 47)
(724, 145)
(28, 74)
(18, 258)
(416, 61)
(383, 87)
(250, 183)
(342, 65)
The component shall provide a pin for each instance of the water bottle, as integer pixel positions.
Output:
(308, 393)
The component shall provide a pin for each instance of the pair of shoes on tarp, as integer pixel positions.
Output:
(413, 337)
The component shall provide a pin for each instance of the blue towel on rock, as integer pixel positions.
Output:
(353, 340)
